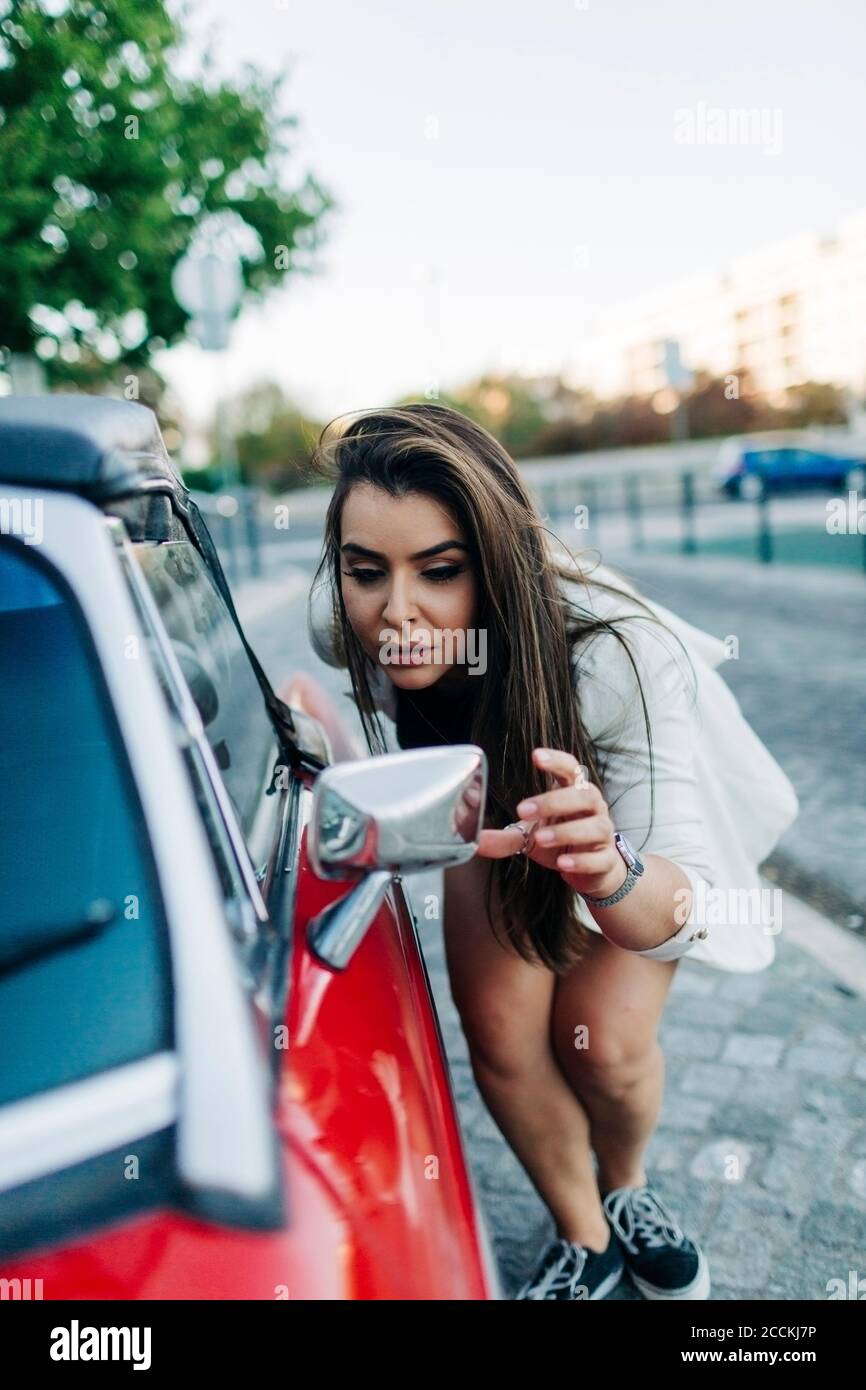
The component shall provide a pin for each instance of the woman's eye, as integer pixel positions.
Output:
(443, 573)
(364, 576)
(440, 575)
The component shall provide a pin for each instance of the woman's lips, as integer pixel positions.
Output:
(412, 656)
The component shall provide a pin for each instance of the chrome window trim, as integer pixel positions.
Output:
(298, 809)
(69, 1124)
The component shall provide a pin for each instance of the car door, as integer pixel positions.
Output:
(380, 1192)
(88, 1064)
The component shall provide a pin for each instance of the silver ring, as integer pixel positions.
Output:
(515, 825)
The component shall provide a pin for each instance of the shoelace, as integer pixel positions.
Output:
(638, 1211)
(555, 1273)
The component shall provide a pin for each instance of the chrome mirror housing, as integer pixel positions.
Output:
(403, 812)
(377, 817)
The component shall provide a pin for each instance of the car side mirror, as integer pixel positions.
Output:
(400, 813)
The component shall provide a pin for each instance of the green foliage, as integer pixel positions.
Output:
(509, 407)
(109, 161)
(273, 439)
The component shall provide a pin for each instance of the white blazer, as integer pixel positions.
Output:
(721, 802)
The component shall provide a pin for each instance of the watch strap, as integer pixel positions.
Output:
(634, 868)
(631, 879)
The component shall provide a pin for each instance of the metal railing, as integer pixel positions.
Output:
(685, 512)
(234, 521)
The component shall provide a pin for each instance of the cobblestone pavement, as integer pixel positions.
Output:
(769, 1068)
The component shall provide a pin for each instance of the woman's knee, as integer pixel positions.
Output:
(505, 1037)
(606, 1058)
(606, 1015)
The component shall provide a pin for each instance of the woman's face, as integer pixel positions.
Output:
(408, 586)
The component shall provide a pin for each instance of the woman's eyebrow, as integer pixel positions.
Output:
(419, 555)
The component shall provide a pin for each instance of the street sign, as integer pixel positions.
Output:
(209, 287)
(676, 375)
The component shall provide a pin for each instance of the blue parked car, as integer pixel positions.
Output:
(750, 466)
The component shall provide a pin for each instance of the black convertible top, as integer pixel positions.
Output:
(95, 445)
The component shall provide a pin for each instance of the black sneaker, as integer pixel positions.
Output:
(568, 1271)
(660, 1258)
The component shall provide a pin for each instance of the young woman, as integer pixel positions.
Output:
(625, 789)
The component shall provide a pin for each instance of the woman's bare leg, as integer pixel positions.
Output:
(505, 1007)
(616, 1066)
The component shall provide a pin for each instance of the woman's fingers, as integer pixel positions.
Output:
(549, 817)
(564, 801)
(575, 793)
(563, 766)
(585, 865)
(592, 833)
(500, 844)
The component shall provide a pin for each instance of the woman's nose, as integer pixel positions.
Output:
(399, 606)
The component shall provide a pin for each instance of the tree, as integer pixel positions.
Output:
(273, 438)
(815, 403)
(109, 162)
(508, 406)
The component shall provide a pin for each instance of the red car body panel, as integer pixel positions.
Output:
(368, 1107)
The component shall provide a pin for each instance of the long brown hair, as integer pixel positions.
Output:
(527, 699)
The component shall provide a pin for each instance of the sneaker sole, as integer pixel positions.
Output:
(699, 1288)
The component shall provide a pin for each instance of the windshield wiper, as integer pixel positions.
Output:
(31, 943)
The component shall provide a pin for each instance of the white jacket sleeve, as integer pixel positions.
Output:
(614, 718)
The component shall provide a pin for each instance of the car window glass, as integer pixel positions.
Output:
(72, 835)
(217, 669)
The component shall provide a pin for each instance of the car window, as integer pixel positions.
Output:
(206, 640)
(72, 835)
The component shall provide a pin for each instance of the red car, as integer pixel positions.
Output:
(222, 1071)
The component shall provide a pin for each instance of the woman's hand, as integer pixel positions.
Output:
(570, 829)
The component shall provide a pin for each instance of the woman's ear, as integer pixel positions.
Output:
(326, 637)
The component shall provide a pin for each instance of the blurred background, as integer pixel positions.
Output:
(629, 240)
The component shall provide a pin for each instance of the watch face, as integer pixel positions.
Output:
(626, 851)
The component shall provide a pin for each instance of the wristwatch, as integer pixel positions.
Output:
(635, 867)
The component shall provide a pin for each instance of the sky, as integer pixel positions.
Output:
(505, 170)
